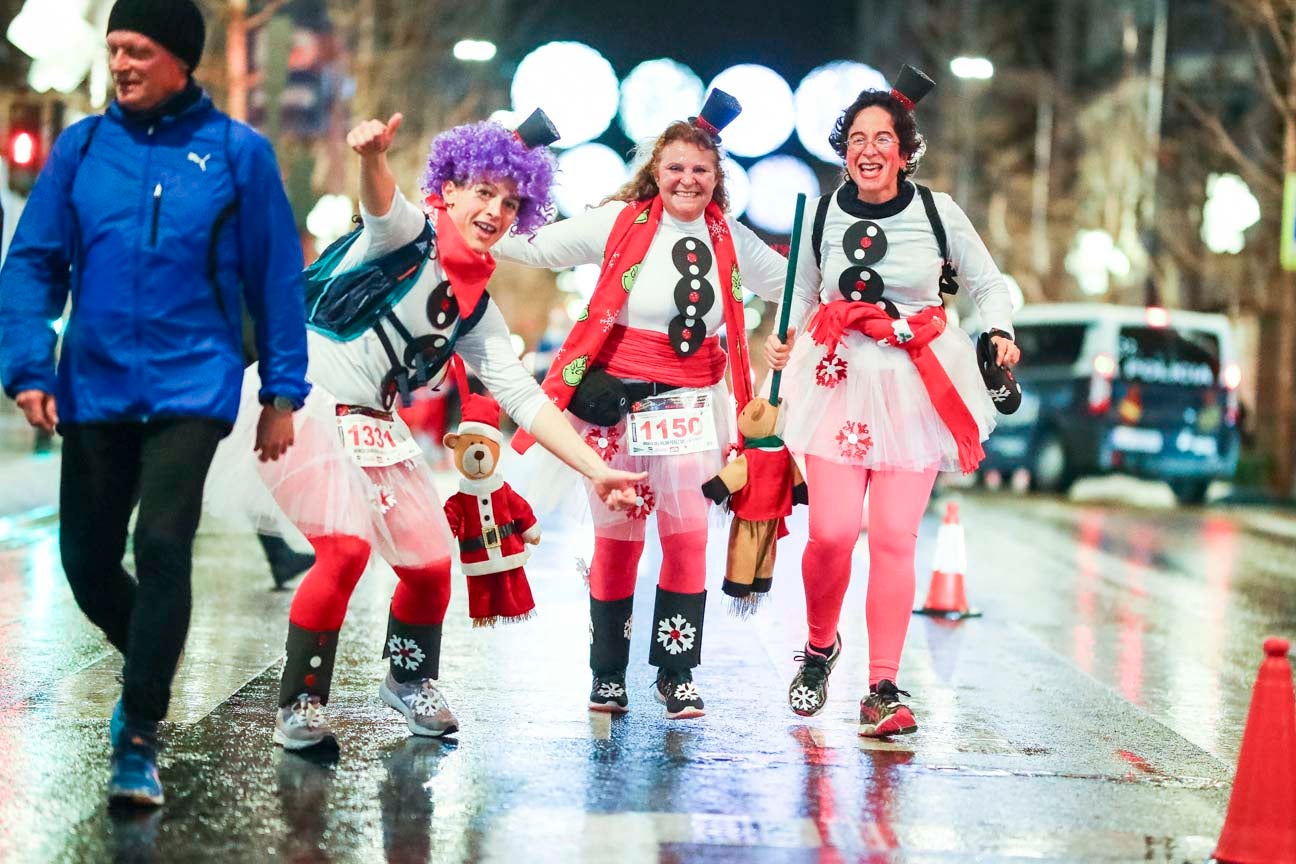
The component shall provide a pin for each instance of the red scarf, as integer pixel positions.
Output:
(468, 271)
(627, 245)
(835, 318)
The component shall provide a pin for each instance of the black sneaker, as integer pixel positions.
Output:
(883, 714)
(675, 689)
(608, 693)
(808, 692)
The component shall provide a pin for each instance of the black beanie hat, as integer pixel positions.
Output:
(176, 25)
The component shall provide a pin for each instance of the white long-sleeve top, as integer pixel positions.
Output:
(353, 371)
(651, 305)
(911, 267)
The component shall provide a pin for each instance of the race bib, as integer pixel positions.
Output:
(672, 424)
(374, 438)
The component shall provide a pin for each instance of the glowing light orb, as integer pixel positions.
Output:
(775, 183)
(738, 185)
(586, 175)
(767, 117)
(822, 96)
(573, 83)
(655, 93)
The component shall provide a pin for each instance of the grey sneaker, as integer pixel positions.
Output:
(808, 692)
(426, 710)
(304, 726)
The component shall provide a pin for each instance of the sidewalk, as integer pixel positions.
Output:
(30, 484)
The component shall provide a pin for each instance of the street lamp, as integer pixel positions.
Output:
(474, 50)
(976, 68)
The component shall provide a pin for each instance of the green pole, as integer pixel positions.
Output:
(786, 309)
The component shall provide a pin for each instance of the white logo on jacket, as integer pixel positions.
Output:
(200, 161)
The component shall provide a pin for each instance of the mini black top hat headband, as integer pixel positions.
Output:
(536, 131)
(717, 112)
(911, 86)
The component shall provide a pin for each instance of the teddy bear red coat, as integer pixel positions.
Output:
(497, 584)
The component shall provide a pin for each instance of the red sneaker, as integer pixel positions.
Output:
(883, 714)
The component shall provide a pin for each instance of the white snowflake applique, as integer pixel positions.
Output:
(427, 701)
(405, 653)
(382, 497)
(804, 699)
(831, 371)
(629, 625)
(611, 690)
(1000, 395)
(607, 321)
(675, 634)
(687, 692)
(718, 230)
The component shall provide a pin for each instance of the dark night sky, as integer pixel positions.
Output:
(789, 37)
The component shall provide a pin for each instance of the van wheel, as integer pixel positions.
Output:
(1051, 469)
(1189, 490)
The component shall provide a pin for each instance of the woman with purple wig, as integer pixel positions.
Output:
(351, 501)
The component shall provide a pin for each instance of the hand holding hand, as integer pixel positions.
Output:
(39, 408)
(374, 136)
(274, 433)
(776, 352)
(617, 488)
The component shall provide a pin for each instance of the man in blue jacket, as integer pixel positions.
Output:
(152, 217)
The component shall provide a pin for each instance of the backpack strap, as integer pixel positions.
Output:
(76, 223)
(226, 213)
(816, 230)
(949, 275)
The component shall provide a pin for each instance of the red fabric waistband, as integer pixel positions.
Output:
(646, 355)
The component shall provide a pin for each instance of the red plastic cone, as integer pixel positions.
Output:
(1260, 827)
(945, 597)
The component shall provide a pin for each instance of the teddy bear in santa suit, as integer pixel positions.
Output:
(492, 523)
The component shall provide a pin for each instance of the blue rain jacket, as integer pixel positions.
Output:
(154, 227)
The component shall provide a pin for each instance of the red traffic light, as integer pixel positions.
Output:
(22, 148)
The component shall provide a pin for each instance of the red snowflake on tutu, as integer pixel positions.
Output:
(645, 500)
(853, 440)
(604, 441)
(831, 371)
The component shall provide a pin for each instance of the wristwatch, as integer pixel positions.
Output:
(281, 403)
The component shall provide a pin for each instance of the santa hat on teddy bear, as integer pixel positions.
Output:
(480, 414)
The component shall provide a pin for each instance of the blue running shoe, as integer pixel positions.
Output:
(135, 778)
(116, 723)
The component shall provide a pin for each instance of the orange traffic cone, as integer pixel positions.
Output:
(945, 597)
(1260, 827)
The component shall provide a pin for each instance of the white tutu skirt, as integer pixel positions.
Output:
(318, 488)
(672, 492)
(865, 404)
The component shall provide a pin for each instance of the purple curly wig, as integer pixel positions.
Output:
(487, 150)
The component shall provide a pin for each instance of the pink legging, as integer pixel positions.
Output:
(321, 600)
(683, 568)
(896, 503)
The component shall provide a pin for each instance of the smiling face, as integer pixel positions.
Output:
(144, 73)
(686, 176)
(874, 158)
(482, 210)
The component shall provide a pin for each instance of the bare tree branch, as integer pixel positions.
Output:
(1256, 177)
(263, 17)
(1276, 97)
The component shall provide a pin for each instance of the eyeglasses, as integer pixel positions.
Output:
(694, 295)
(883, 141)
(865, 244)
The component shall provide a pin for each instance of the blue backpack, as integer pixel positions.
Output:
(343, 305)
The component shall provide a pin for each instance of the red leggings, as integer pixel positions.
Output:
(897, 500)
(683, 568)
(321, 600)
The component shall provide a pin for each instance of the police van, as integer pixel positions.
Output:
(1139, 390)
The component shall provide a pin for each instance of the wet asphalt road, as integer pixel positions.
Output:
(1093, 714)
